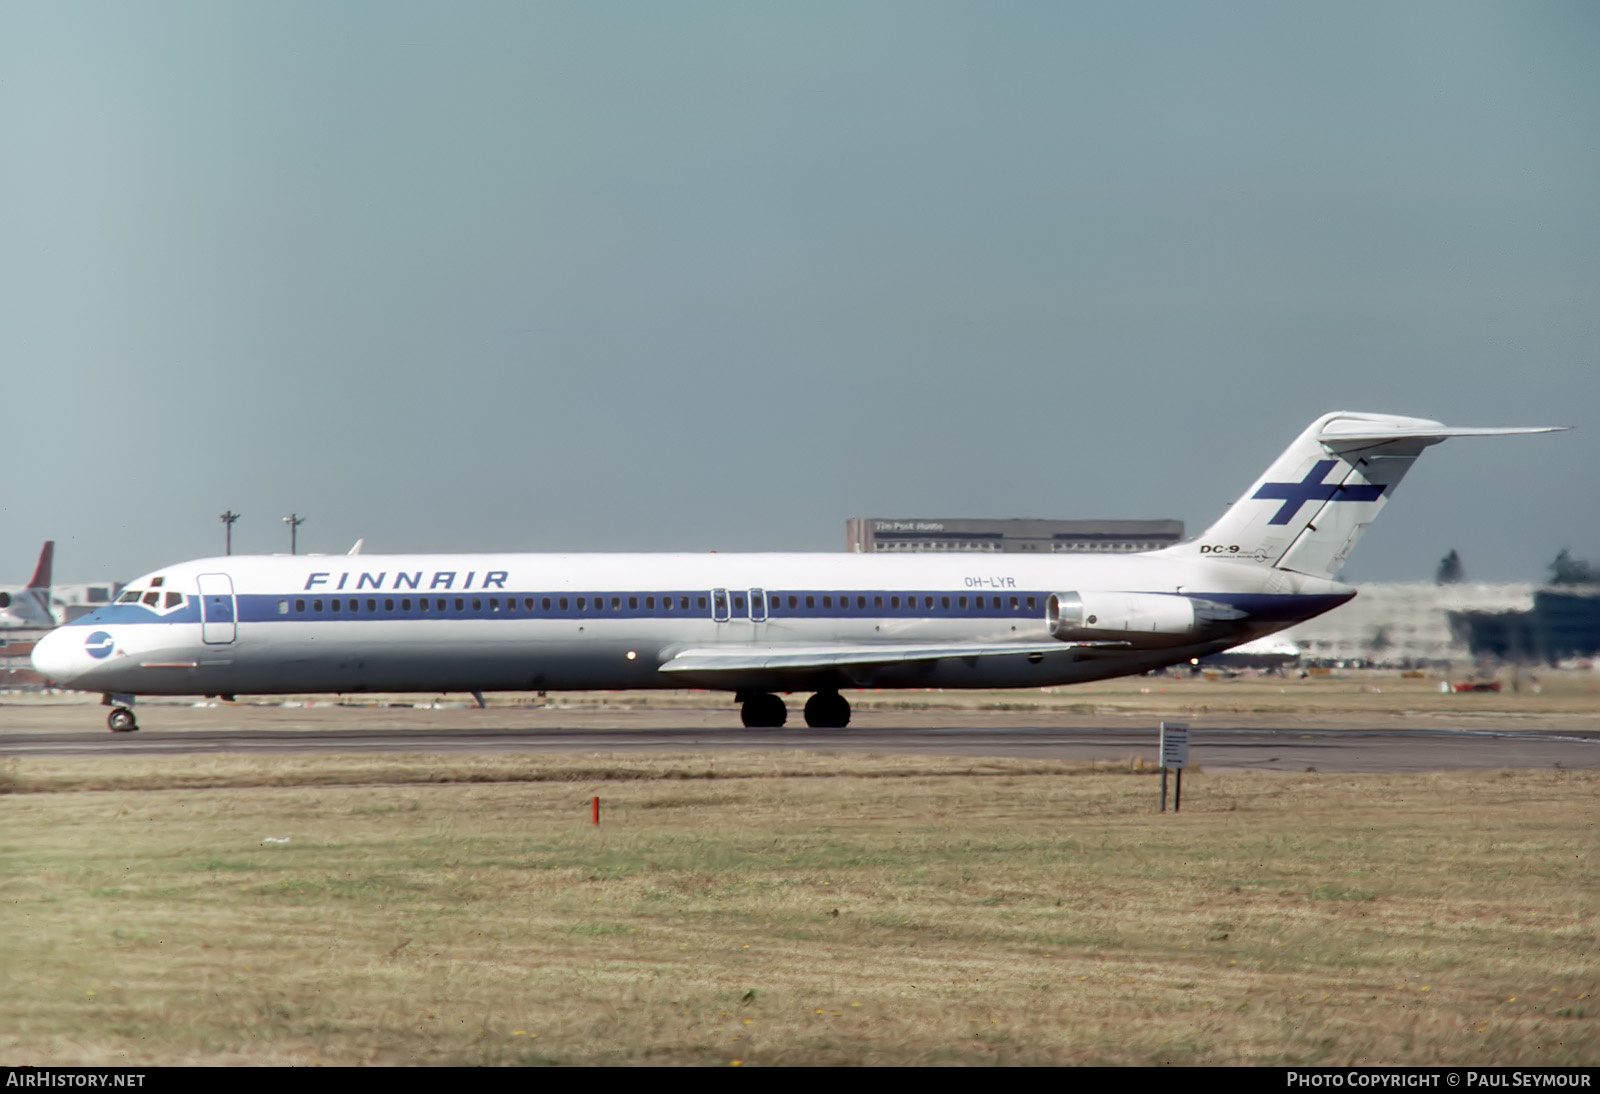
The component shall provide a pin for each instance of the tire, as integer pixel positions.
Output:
(763, 712)
(827, 710)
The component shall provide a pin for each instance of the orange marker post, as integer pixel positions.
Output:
(597, 809)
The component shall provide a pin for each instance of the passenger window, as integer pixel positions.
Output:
(316, 605)
(962, 601)
(461, 605)
(1013, 603)
(422, 604)
(333, 605)
(666, 602)
(372, 605)
(811, 601)
(545, 603)
(583, 602)
(299, 606)
(283, 607)
(494, 603)
(355, 605)
(702, 603)
(563, 603)
(861, 602)
(616, 603)
(927, 603)
(633, 603)
(738, 604)
(894, 602)
(649, 603)
(944, 602)
(794, 602)
(405, 605)
(1030, 604)
(827, 601)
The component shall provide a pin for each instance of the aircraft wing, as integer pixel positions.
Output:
(746, 658)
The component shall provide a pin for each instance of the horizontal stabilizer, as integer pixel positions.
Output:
(1342, 431)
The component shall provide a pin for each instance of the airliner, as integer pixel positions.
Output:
(756, 625)
(30, 606)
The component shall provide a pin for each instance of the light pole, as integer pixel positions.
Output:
(227, 522)
(294, 522)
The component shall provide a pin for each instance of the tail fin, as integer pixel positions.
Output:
(1315, 501)
(41, 573)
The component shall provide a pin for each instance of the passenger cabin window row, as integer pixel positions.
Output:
(663, 604)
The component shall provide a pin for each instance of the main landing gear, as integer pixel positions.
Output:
(762, 711)
(827, 710)
(824, 710)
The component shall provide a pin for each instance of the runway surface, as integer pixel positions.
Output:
(1216, 745)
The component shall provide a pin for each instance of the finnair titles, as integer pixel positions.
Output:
(755, 625)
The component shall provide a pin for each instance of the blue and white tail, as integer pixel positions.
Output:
(1311, 507)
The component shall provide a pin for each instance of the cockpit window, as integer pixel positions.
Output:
(174, 599)
(152, 598)
(129, 597)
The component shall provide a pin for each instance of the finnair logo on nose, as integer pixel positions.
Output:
(1312, 488)
(99, 644)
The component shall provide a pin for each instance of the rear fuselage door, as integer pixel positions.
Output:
(218, 614)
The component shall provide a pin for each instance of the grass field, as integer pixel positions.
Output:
(788, 909)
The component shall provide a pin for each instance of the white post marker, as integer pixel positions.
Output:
(1174, 754)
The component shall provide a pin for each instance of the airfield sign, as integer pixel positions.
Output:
(1175, 744)
(1175, 755)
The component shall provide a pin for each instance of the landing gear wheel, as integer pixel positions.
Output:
(763, 712)
(827, 710)
(121, 720)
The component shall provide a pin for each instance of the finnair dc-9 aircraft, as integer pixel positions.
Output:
(752, 624)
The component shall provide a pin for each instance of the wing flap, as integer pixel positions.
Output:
(746, 658)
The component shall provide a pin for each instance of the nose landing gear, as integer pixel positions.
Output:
(121, 719)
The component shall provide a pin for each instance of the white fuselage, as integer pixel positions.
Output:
(485, 622)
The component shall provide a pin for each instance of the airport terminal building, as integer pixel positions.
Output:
(1421, 623)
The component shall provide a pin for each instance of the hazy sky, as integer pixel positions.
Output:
(529, 276)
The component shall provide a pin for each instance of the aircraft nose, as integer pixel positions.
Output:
(61, 656)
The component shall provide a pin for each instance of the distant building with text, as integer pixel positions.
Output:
(876, 534)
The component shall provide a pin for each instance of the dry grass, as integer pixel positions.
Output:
(788, 909)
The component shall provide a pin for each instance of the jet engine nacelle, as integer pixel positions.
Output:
(1141, 619)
